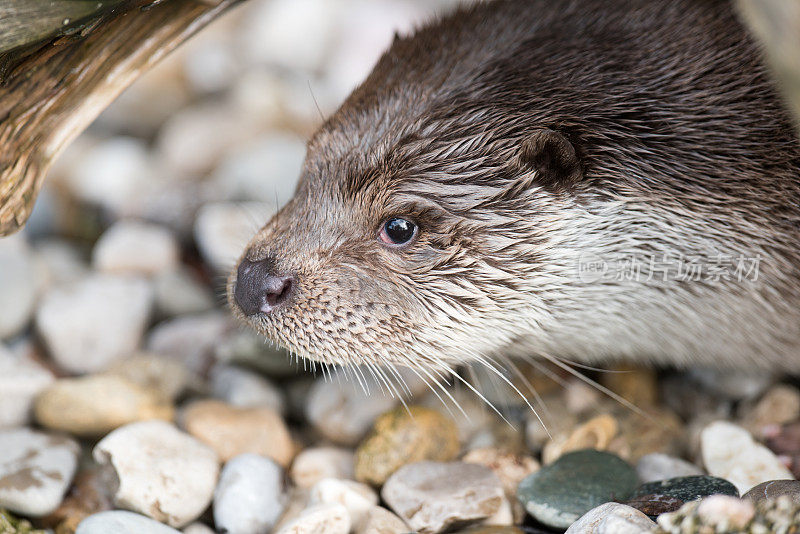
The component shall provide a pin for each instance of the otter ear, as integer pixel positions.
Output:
(554, 159)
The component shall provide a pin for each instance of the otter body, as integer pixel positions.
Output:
(588, 180)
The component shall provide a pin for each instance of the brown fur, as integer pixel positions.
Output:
(520, 135)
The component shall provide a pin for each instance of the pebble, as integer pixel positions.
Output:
(19, 286)
(403, 436)
(134, 247)
(62, 261)
(379, 520)
(655, 504)
(432, 496)
(342, 411)
(637, 385)
(232, 431)
(197, 528)
(315, 463)
(658, 466)
(730, 452)
(612, 518)
(71, 405)
(509, 467)
(179, 292)
(779, 405)
(36, 469)
(245, 389)
(122, 522)
(319, 519)
(732, 384)
(223, 229)
(773, 489)
(358, 498)
(689, 488)
(249, 495)
(167, 378)
(190, 339)
(160, 471)
(93, 323)
(21, 379)
(559, 493)
(718, 513)
(596, 433)
(659, 431)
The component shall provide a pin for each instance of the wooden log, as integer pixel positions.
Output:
(776, 23)
(61, 63)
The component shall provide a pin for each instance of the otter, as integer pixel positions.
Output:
(582, 180)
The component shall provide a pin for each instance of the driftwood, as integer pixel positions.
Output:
(61, 63)
(777, 24)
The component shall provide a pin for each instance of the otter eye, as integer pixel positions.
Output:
(397, 231)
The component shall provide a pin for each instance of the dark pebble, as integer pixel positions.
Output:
(655, 504)
(688, 488)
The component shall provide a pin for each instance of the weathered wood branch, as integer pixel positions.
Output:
(61, 63)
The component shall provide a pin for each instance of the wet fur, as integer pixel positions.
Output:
(523, 136)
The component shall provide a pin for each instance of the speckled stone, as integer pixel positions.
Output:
(559, 493)
(401, 437)
(688, 488)
(772, 489)
(432, 496)
(654, 504)
(717, 513)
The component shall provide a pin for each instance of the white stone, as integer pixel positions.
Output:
(733, 384)
(379, 520)
(730, 452)
(211, 65)
(159, 471)
(19, 285)
(35, 470)
(315, 463)
(21, 379)
(178, 292)
(197, 528)
(342, 410)
(111, 172)
(293, 33)
(612, 518)
(122, 522)
(244, 388)
(659, 466)
(266, 169)
(89, 325)
(134, 247)
(190, 339)
(61, 261)
(358, 498)
(166, 377)
(222, 230)
(319, 519)
(434, 496)
(249, 496)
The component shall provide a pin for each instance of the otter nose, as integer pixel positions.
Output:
(258, 288)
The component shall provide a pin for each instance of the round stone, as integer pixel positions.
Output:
(21, 379)
(688, 488)
(658, 466)
(319, 519)
(772, 489)
(559, 493)
(612, 518)
(35, 470)
(19, 286)
(122, 522)
(404, 436)
(71, 405)
(358, 498)
(432, 497)
(249, 495)
(379, 520)
(158, 471)
(232, 431)
(133, 247)
(313, 464)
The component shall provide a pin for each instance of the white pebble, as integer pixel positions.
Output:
(162, 472)
(659, 466)
(730, 452)
(122, 522)
(245, 389)
(319, 519)
(197, 528)
(19, 286)
(178, 292)
(21, 379)
(133, 247)
(249, 495)
(379, 520)
(358, 498)
(35, 470)
(612, 518)
(315, 463)
(190, 339)
(222, 230)
(89, 325)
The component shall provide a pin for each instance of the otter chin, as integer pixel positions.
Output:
(588, 180)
